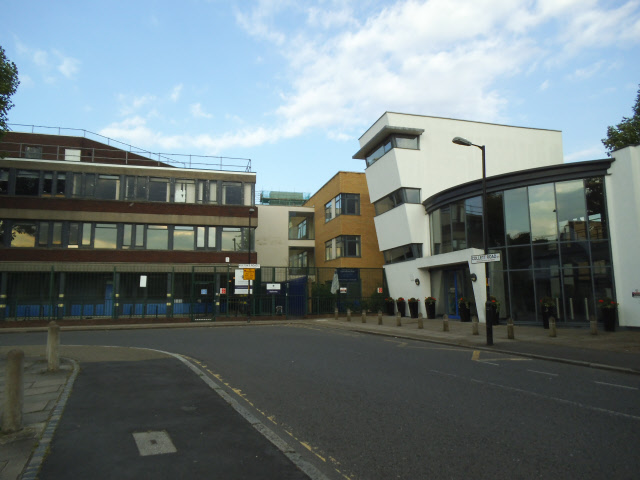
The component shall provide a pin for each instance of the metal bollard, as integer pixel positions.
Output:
(53, 347)
(552, 327)
(379, 317)
(335, 314)
(594, 325)
(445, 323)
(348, 314)
(420, 324)
(510, 333)
(13, 392)
(364, 316)
(398, 321)
(474, 325)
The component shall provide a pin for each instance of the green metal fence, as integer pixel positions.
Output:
(199, 293)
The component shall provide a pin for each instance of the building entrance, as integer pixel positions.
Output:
(456, 284)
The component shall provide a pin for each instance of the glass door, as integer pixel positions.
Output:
(453, 288)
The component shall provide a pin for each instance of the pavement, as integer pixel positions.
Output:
(143, 413)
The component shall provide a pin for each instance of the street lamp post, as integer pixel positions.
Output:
(251, 211)
(489, 324)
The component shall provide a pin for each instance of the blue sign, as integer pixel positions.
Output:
(347, 275)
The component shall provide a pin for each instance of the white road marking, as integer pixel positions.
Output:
(154, 443)
(543, 373)
(615, 385)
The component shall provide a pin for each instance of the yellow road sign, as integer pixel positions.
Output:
(249, 274)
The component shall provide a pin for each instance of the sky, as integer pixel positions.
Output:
(293, 84)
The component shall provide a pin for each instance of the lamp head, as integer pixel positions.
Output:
(462, 141)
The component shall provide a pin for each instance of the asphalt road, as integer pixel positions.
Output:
(371, 407)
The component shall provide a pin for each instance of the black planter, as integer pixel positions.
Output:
(390, 308)
(547, 312)
(431, 310)
(465, 313)
(401, 308)
(413, 309)
(609, 319)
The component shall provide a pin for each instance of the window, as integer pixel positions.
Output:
(301, 226)
(403, 253)
(200, 237)
(108, 187)
(158, 189)
(33, 151)
(43, 234)
(127, 234)
(27, 182)
(348, 246)
(54, 184)
(183, 238)
(328, 211)
(232, 239)
(232, 193)
(213, 191)
(211, 237)
(350, 204)
(4, 182)
(393, 141)
(106, 236)
(328, 250)
(157, 237)
(397, 198)
(185, 191)
(75, 235)
(139, 236)
(23, 235)
(72, 155)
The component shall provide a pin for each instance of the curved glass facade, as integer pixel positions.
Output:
(553, 241)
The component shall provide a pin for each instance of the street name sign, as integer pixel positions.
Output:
(490, 257)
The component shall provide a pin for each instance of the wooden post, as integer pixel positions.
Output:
(398, 321)
(379, 317)
(510, 333)
(552, 327)
(53, 347)
(13, 392)
(474, 325)
(445, 323)
(420, 323)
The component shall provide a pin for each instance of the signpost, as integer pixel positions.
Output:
(249, 273)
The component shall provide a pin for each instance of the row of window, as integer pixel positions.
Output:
(38, 183)
(567, 211)
(342, 246)
(343, 204)
(402, 253)
(397, 198)
(123, 236)
(392, 141)
(301, 226)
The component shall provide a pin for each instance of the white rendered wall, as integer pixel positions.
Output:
(402, 225)
(272, 235)
(623, 205)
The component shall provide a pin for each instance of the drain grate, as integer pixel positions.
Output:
(154, 443)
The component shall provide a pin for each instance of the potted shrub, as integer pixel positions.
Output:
(413, 307)
(430, 304)
(494, 311)
(548, 306)
(608, 308)
(464, 309)
(390, 306)
(401, 306)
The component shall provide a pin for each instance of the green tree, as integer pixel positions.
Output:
(626, 132)
(8, 85)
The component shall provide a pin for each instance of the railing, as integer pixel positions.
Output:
(128, 153)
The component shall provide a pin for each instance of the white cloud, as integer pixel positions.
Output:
(68, 66)
(197, 111)
(175, 93)
(587, 154)
(544, 85)
(132, 104)
(50, 61)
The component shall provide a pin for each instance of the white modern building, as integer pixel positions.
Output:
(563, 231)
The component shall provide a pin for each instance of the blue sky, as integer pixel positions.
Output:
(292, 84)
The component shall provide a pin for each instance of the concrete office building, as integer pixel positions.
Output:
(564, 231)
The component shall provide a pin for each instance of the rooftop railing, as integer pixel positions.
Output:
(119, 152)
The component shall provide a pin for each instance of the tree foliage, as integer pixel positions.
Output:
(626, 132)
(8, 85)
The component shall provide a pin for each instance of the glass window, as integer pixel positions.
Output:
(33, 151)
(47, 184)
(86, 234)
(351, 204)
(328, 250)
(157, 237)
(129, 188)
(43, 234)
(445, 224)
(23, 235)
(185, 191)
(107, 187)
(61, 185)
(213, 191)
(575, 254)
(232, 239)
(327, 211)
(351, 246)
(248, 196)
(200, 237)
(4, 182)
(572, 221)
(594, 192)
(458, 229)
(495, 220)
(127, 234)
(75, 235)
(89, 184)
(412, 195)
(76, 188)
(519, 257)
(517, 216)
(542, 208)
(338, 206)
(27, 182)
(183, 238)
(200, 191)
(56, 237)
(158, 189)
(545, 255)
(232, 193)
(600, 253)
(384, 205)
(436, 232)
(142, 188)
(405, 141)
(72, 154)
(339, 247)
(405, 252)
(522, 295)
(301, 226)
(139, 236)
(211, 237)
(106, 235)
(473, 213)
